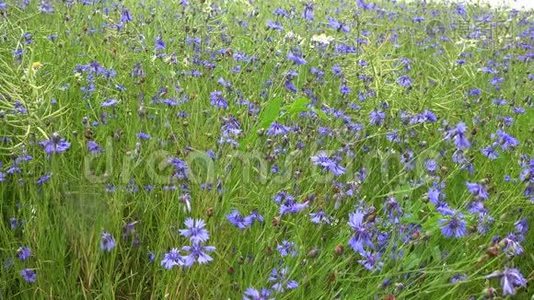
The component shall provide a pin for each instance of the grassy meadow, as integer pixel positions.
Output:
(221, 149)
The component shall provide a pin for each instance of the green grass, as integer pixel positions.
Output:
(63, 219)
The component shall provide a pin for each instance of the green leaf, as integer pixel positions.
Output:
(298, 106)
(267, 116)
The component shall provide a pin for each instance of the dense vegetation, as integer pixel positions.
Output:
(265, 150)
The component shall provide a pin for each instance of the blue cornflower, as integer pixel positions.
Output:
(323, 160)
(458, 134)
(274, 25)
(280, 281)
(197, 253)
(288, 204)
(172, 259)
(393, 210)
(431, 166)
(93, 147)
(376, 117)
(478, 190)
(107, 242)
(126, 16)
(44, 179)
(511, 246)
(23, 253)
(195, 230)
(339, 26)
(159, 44)
(362, 233)
(296, 58)
(286, 248)
(458, 278)
(308, 14)
(253, 294)
(143, 136)
(371, 261)
(320, 217)
(109, 103)
(239, 221)
(405, 81)
(511, 278)
(28, 275)
(55, 144)
(490, 152)
(217, 100)
(181, 169)
(277, 129)
(506, 141)
(46, 7)
(454, 226)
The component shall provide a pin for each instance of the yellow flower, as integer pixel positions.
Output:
(37, 65)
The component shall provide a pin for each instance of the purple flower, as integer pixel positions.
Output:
(393, 209)
(296, 58)
(458, 134)
(143, 136)
(109, 103)
(181, 169)
(274, 25)
(195, 230)
(431, 166)
(474, 92)
(371, 261)
(172, 259)
(254, 294)
(320, 217)
(335, 24)
(197, 253)
(93, 147)
(479, 191)
(511, 246)
(55, 144)
(506, 141)
(458, 278)
(327, 163)
(490, 152)
(521, 226)
(288, 204)
(14, 223)
(44, 179)
(159, 44)
(277, 129)
(290, 86)
(280, 281)
(217, 100)
(286, 248)
(292, 207)
(239, 221)
(28, 275)
(307, 14)
(362, 234)
(107, 242)
(23, 253)
(511, 278)
(376, 117)
(454, 226)
(126, 16)
(256, 216)
(46, 7)
(404, 81)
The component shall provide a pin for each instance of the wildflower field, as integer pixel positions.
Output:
(196, 149)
